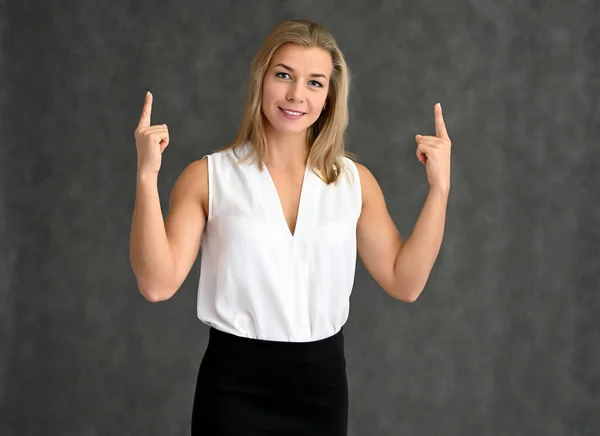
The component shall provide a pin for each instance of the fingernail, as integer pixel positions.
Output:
(439, 105)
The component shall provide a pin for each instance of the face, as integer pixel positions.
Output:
(297, 80)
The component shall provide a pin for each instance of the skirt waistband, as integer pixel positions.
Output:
(313, 350)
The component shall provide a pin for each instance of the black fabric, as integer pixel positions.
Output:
(255, 387)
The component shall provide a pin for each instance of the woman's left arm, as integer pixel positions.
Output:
(400, 267)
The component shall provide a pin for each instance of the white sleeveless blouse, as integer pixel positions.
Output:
(259, 281)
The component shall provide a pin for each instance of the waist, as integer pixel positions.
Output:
(250, 348)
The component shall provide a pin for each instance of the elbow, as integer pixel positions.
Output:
(409, 298)
(155, 295)
(406, 292)
(406, 296)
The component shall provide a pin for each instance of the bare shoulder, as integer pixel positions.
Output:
(196, 170)
(192, 183)
(363, 172)
(369, 185)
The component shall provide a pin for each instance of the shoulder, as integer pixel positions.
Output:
(348, 172)
(370, 186)
(363, 171)
(200, 168)
(195, 169)
(192, 185)
(193, 178)
(365, 176)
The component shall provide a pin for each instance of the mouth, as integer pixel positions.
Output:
(291, 112)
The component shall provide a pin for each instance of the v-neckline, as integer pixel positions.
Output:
(277, 201)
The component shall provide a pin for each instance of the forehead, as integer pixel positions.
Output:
(304, 59)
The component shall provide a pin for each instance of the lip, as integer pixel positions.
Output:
(292, 110)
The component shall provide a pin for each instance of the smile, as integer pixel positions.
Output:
(291, 113)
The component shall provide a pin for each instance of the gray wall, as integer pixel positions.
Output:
(505, 339)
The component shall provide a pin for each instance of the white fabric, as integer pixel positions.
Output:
(259, 281)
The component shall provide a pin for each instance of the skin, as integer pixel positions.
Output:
(297, 79)
(400, 267)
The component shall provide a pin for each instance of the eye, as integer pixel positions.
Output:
(283, 75)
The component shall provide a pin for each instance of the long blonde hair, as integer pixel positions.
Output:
(325, 137)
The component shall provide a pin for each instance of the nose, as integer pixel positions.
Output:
(295, 93)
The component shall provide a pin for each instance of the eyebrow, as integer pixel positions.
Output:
(287, 67)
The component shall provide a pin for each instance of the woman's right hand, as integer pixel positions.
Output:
(150, 141)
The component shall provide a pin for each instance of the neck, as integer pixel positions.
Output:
(286, 150)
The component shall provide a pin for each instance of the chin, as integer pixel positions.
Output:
(289, 130)
(288, 127)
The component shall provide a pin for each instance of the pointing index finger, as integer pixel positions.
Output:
(440, 126)
(146, 111)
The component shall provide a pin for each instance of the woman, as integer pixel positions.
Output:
(281, 214)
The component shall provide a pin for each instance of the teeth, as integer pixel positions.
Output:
(292, 113)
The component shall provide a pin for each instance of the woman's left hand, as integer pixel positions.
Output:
(434, 153)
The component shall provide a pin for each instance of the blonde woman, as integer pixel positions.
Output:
(281, 214)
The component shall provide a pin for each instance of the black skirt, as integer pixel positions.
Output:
(254, 387)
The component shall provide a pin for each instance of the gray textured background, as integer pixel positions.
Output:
(505, 339)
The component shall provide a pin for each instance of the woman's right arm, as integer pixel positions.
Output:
(162, 253)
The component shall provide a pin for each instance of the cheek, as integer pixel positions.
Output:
(270, 91)
(318, 103)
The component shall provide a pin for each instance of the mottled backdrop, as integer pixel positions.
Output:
(505, 339)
